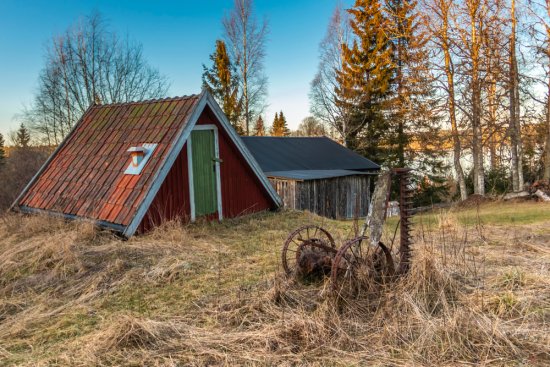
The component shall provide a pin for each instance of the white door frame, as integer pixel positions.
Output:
(217, 165)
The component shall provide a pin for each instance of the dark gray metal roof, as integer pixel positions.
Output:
(275, 154)
(315, 174)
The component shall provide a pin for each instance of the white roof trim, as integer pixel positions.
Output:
(169, 159)
(243, 149)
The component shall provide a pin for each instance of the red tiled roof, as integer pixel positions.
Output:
(85, 177)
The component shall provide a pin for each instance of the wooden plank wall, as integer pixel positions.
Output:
(338, 198)
(286, 190)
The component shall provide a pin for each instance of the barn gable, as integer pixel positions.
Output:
(241, 191)
(85, 177)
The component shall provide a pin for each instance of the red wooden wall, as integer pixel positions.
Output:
(242, 192)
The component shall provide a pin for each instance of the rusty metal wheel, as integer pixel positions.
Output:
(358, 265)
(311, 234)
(314, 260)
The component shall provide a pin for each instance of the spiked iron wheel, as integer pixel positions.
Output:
(310, 235)
(358, 264)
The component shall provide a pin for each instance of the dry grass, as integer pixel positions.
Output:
(211, 294)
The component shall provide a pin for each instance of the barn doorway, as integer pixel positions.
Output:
(204, 167)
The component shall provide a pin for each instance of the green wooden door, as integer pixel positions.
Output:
(204, 172)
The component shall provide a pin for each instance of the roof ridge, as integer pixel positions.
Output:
(146, 101)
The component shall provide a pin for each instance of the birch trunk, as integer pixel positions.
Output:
(477, 141)
(444, 8)
(514, 128)
(547, 143)
(492, 122)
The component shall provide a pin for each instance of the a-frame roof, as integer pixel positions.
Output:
(84, 177)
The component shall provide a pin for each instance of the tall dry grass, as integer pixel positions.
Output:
(211, 294)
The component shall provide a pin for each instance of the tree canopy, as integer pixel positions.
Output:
(279, 127)
(220, 79)
(88, 64)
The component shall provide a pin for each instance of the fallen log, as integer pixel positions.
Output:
(516, 195)
(541, 195)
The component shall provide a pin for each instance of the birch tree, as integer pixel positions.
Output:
(322, 94)
(470, 35)
(246, 38)
(513, 93)
(310, 126)
(85, 65)
(440, 17)
(540, 31)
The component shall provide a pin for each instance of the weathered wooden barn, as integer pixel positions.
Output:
(131, 166)
(316, 174)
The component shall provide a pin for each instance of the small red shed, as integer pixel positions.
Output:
(131, 166)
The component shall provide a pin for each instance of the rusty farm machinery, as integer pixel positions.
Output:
(310, 251)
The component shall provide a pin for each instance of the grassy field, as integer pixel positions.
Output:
(213, 294)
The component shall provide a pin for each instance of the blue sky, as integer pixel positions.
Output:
(177, 37)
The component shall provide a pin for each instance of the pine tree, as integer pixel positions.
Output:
(2, 151)
(279, 125)
(22, 137)
(259, 129)
(220, 80)
(364, 81)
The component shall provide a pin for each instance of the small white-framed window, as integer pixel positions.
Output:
(140, 155)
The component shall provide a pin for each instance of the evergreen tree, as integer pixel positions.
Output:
(275, 124)
(279, 125)
(220, 80)
(2, 151)
(283, 124)
(259, 129)
(22, 137)
(365, 79)
(411, 105)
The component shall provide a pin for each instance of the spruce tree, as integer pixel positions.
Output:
(365, 79)
(2, 150)
(411, 106)
(259, 129)
(220, 80)
(282, 122)
(414, 137)
(279, 125)
(22, 137)
(275, 124)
